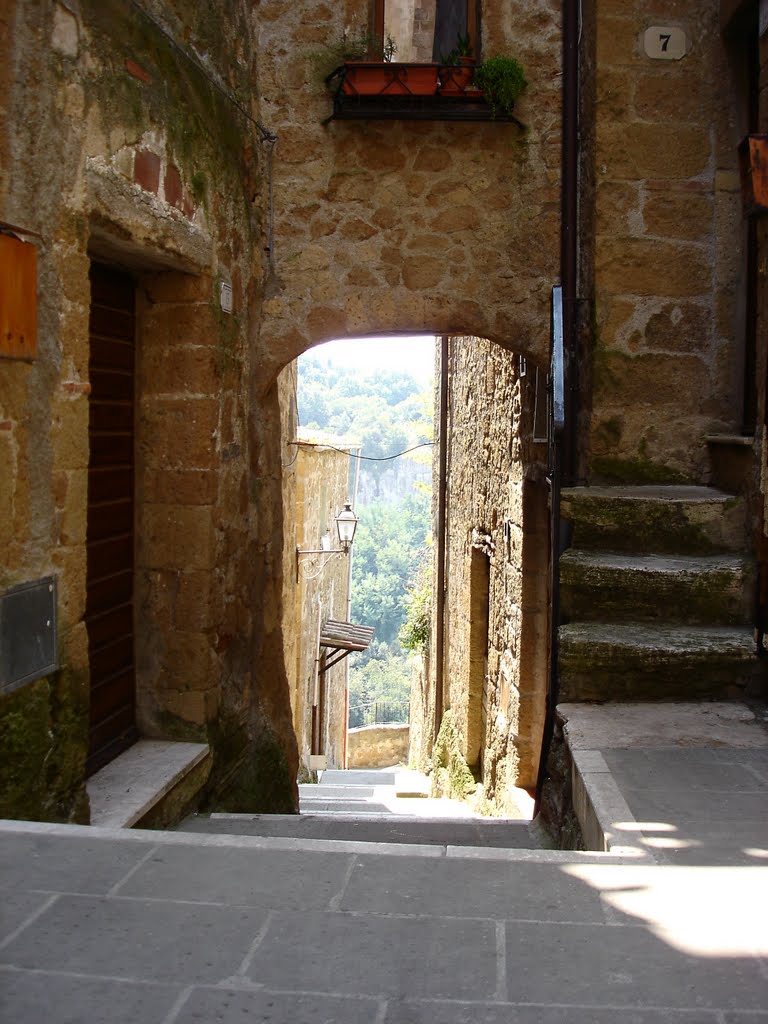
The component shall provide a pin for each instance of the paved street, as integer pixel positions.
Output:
(100, 925)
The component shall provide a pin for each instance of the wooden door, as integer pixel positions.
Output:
(110, 536)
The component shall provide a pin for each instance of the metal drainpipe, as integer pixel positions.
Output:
(442, 491)
(349, 615)
(569, 229)
(564, 449)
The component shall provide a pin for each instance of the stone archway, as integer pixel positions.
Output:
(497, 497)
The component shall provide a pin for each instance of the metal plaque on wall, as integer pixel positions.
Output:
(28, 640)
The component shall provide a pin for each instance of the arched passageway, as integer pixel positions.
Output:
(487, 658)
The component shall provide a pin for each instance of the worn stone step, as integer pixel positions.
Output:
(675, 520)
(640, 661)
(695, 589)
(404, 830)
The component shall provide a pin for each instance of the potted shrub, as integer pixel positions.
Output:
(502, 80)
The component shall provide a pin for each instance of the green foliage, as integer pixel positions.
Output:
(386, 412)
(386, 675)
(451, 774)
(389, 546)
(415, 631)
(502, 81)
(352, 44)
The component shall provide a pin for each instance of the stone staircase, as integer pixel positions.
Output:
(656, 595)
(365, 807)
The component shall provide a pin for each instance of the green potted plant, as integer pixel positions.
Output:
(457, 68)
(501, 80)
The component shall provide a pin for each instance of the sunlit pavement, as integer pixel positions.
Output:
(118, 926)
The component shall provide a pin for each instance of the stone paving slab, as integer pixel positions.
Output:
(42, 997)
(631, 966)
(519, 936)
(79, 864)
(498, 889)
(682, 783)
(235, 1006)
(367, 954)
(231, 876)
(422, 1012)
(151, 940)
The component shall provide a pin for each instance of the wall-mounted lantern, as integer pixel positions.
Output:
(346, 524)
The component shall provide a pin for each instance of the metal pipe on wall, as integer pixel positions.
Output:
(442, 495)
(569, 231)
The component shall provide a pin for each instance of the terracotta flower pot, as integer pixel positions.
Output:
(376, 78)
(455, 79)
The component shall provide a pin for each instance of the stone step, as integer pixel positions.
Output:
(495, 833)
(675, 520)
(639, 661)
(695, 589)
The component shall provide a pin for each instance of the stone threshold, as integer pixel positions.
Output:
(123, 792)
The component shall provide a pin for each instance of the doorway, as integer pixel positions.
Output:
(109, 614)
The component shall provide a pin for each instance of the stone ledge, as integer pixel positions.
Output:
(127, 789)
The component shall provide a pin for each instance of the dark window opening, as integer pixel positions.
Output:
(428, 30)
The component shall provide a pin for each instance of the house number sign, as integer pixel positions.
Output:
(665, 43)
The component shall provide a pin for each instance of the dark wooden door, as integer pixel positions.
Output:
(110, 537)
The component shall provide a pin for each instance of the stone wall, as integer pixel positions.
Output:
(496, 617)
(387, 227)
(663, 227)
(378, 746)
(117, 147)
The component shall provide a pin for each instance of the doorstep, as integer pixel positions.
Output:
(151, 774)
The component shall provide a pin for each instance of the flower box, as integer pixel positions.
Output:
(381, 78)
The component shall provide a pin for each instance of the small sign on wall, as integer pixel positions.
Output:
(18, 298)
(662, 42)
(28, 638)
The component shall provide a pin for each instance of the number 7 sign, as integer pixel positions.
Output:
(662, 42)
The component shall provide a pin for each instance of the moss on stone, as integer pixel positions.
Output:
(43, 746)
(451, 775)
(261, 780)
(610, 469)
(208, 135)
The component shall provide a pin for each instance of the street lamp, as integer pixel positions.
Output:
(346, 524)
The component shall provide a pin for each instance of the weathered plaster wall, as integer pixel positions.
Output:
(667, 243)
(495, 664)
(320, 488)
(116, 147)
(395, 226)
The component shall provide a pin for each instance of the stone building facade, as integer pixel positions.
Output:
(318, 481)
(496, 616)
(130, 460)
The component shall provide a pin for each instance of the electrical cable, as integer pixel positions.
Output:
(372, 458)
(265, 133)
